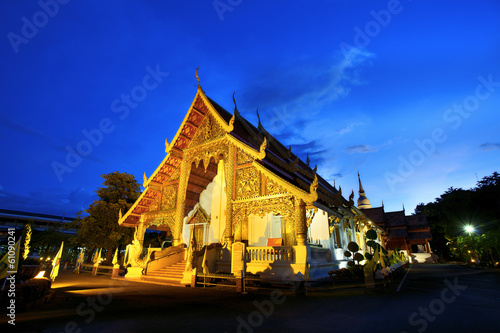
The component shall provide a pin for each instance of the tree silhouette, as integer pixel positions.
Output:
(100, 228)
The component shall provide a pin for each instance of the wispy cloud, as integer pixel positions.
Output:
(489, 146)
(347, 129)
(282, 90)
(15, 126)
(361, 149)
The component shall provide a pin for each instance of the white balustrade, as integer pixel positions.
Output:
(270, 254)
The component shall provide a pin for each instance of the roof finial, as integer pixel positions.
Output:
(234, 101)
(360, 186)
(260, 125)
(197, 77)
(308, 160)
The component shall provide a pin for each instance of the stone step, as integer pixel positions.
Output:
(171, 275)
(163, 280)
(171, 268)
(166, 273)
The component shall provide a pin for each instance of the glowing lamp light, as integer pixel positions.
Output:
(40, 275)
(469, 229)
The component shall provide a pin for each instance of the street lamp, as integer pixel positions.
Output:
(469, 229)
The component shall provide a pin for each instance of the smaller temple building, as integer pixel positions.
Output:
(409, 233)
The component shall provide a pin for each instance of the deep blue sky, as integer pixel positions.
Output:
(395, 90)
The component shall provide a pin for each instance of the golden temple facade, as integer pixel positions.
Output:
(225, 181)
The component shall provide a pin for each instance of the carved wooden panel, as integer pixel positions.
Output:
(247, 183)
(169, 197)
(273, 188)
(159, 218)
(155, 205)
(175, 175)
(209, 130)
(242, 158)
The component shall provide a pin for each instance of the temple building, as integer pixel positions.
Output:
(234, 197)
(409, 233)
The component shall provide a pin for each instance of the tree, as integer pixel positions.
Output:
(100, 228)
(456, 208)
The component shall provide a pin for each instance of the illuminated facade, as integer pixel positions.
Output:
(224, 181)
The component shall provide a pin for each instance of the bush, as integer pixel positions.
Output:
(344, 274)
(31, 261)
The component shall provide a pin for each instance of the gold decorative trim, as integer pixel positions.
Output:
(308, 197)
(282, 205)
(261, 198)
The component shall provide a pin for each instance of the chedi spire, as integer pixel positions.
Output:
(363, 202)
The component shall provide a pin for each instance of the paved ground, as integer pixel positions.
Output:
(432, 298)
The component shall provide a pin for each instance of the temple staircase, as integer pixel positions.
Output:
(170, 275)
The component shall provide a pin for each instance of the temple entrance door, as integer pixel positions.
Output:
(199, 234)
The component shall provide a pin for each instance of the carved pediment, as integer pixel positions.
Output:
(198, 216)
(272, 188)
(243, 158)
(247, 183)
(209, 130)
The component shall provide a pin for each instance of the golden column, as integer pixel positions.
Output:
(229, 189)
(141, 230)
(181, 200)
(300, 221)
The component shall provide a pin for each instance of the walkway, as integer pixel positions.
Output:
(433, 298)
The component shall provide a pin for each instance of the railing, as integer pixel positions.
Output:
(270, 254)
(165, 253)
(99, 269)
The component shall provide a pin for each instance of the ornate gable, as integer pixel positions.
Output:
(199, 216)
(272, 188)
(209, 130)
(243, 158)
(207, 134)
(248, 183)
